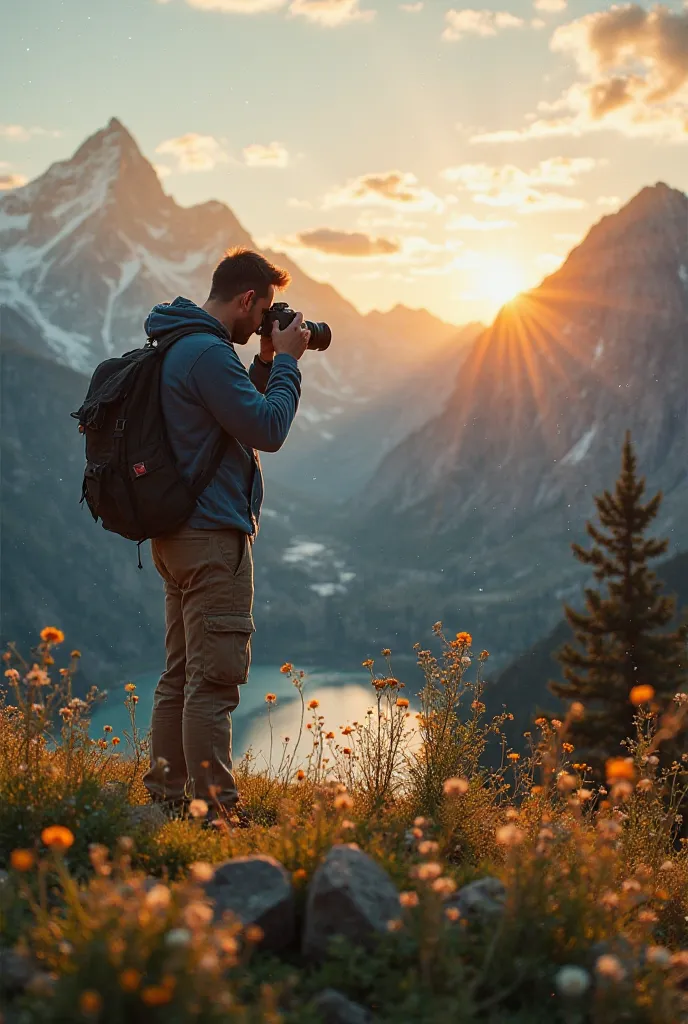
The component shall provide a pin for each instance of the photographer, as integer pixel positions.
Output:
(212, 404)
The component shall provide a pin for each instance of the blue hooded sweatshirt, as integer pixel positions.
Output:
(205, 390)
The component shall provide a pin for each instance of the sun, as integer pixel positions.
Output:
(502, 281)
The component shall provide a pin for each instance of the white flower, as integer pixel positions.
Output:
(572, 981)
(178, 937)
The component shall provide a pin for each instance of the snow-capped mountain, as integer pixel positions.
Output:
(89, 246)
(491, 491)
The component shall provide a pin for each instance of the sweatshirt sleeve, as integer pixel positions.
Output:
(259, 374)
(220, 381)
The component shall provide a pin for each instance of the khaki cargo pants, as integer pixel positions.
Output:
(208, 578)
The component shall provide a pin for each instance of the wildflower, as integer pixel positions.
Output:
(484, 655)
(368, 663)
(348, 824)
(509, 835)
(395, 926)
(300, 875)
(90, 1001)
(577, 711)
(329, 735)
(201, 871)
(464, 639)
(584, 794)
(198, 808)
(12, 675)
(287, 668)
(156, 995)
(643, 785)
(254, 934)
(541, 722)
(420, 822)
(667, 865)
(197, 914)
(437, 627)
(618, 768)
(572, 981)
(300, 775)
(556, 724)
(129, 687)
(608, 828)
(270, 698)
(610, 967)
(465, 661)
(313, 704)
(178, 937)
(455, 786)
(115, 741)
(477, 706)
(22, 860)
(513, 756)
(347, 751)
(566, 782)
(386, 653)
(208, 962)
(444, 886)
(653, 759)
(641, 695)
(408, 899)
(659, 955)
(343, 802)
(57, 837)
(621, 791)
(568, 748)
(380, 683)
(38, 676)
(129, 980)
(51, 635)
(75, 654)
(429, 872)
(452, 914)
(347, 731)
(134, 699)
(158, 898)
(402, 702)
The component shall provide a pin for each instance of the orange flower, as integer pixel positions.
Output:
(641, 695)
(368, 663)
(347, 751)
(270, 698)
(116, 741)
(51, 635)
(313, 704)
(22, 860)
(386, 653)
(156, 995)
(619, 768)
(300, 775)
(130, 687)
(129, 980)
(513, 756)
(402, 702)
(299, 875)
(484, 655)
(75, 654)
(329, 735)
(287, 668)
(464, 639)
(57, 837)
(90, 1002)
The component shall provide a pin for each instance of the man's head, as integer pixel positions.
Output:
(243, 287)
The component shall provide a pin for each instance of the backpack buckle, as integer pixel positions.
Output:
(119, 428)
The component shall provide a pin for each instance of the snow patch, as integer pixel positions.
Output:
(14, 221)
(599, 349)
(683, 273)
(127, 273)
(580, 448)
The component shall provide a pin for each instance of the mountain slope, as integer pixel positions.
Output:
(488, 494)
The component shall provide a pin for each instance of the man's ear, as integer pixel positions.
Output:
(248, 300)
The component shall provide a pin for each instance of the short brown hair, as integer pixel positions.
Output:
(242, 270)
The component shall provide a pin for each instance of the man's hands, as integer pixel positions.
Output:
(293, 339)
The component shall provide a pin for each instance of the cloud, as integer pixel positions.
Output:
(533, 191)
(274, 155)
(396, 188)
(550, 6)
(468, 222)
(194, 152)
(632, 77)
(162, 170)
(412, 8)
(613, 201)
(235, 6)
(478, 23)
(347, 243)
(19, 133)
(330, 13)
(299, 204)
(10, 181)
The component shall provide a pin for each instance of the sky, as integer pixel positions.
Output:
(423, 153)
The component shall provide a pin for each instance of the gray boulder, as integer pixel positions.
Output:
(335, 1008)
(349, 895)
(480, 901)
(16, 971)
(146, 818)
(258, 891)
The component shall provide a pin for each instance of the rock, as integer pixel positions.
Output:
(146, 818)
(349, 895)
(16, 971)
(335, 1008)
(480, 900)
(257, 890)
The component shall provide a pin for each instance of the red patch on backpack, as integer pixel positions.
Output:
(140, 469)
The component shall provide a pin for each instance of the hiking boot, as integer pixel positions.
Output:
(234, 817)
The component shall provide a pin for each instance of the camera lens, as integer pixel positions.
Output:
(321, 335)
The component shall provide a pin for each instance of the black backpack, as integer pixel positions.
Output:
(132, 483)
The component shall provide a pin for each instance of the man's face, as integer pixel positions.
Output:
(250, 315)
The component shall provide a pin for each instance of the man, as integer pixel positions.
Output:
(208, 397)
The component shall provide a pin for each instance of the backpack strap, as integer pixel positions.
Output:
(211, 469)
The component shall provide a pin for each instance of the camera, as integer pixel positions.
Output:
(321, 335)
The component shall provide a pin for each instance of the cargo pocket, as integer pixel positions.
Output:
(227, 647)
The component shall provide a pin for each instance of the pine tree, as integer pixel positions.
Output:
(619, 643)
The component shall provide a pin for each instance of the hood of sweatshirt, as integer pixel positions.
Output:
(170, 316)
